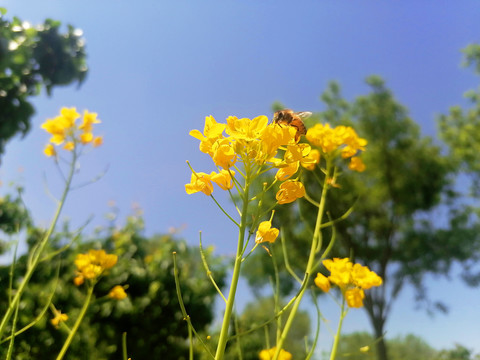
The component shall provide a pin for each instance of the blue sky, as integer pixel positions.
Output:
(157, 68)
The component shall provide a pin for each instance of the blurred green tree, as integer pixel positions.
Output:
(460, 130)
(150, 315)
(32, 58)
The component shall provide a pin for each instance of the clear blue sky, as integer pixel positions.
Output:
(157, 68)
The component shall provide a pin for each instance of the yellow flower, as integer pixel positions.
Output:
(63, 129)
(223, 153)
(354, 297)
(352, 279)
(59, 318)
(49, 150)
(223, 179)
(246, 129)
(275, 136)
(211, 132)
(270, 353)
(311, 160)
(86, 137)
(290, 191)
(296, 152)
(340, 270)
(330, 139)
(322, 282)
(286, 172)
(364, 278)
(118, 293)
(324, 137)
(69, 146)
(266, 233)
(356, 164)
(199, 181)
(93, 264)
(97, 141)
(88, 120)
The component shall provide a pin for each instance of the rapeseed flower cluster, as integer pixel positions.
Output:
(340, 139)
(352, 279)
(270, 353)
(254, 143)
(92, 265)
(65, 131)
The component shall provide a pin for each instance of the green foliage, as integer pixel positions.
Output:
(32, 58)
(13, 217)
(150, 315)
(409, 347)
(257, 313)
(460, 129)
(460, 352)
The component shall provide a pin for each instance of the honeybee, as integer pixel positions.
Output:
(291, 118)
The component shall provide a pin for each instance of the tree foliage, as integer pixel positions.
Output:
(359, 346)
(150, 315)
(32, 58)
(460, 130)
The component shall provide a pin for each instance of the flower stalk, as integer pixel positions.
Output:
(222, 341)
(75, 327)
(317, 236)
(35, 259)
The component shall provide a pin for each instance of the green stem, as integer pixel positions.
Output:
(310, 264)
(77, 324)
(39, 250)
(222, 341)
(336, 340)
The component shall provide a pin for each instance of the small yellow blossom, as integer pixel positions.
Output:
(97, 141)
(340, 270)
(311, 160)
(270, 353)
(365, 278)
(69, 146)
(266, 233)
(88, 120)
(199, 181)
(49, 150)
(223, 153)
(364, 349)
(223, 179)
(59, 318)
(354, 297)
(322, 282)
(118, 293)
(86, 137)
(287, 172)
(93, 264)
(212, 132)
(356, 164)
(202, 182)
(290, 191)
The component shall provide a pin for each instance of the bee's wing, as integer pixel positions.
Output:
(304, 114)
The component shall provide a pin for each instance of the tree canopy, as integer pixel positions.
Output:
(32, 58)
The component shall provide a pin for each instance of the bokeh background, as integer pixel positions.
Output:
(157, 68)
